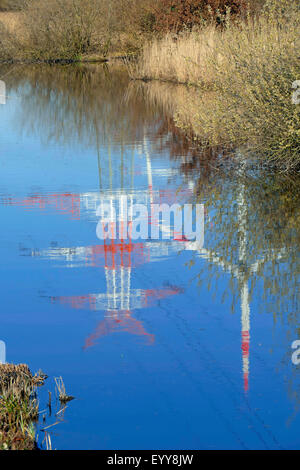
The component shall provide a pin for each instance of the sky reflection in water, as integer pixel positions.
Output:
(165, 344)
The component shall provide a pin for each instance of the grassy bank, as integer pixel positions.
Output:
(19, 408)
(249, 70)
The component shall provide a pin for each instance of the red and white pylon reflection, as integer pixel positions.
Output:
(66, 203)
(120, 300)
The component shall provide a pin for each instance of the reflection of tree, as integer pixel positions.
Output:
(272, 232)
(253, 234)
(78, 103)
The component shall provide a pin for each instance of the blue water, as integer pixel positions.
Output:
(165, 345)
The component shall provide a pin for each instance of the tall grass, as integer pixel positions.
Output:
(251, 68)
(182, 58)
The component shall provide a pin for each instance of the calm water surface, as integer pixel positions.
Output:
(165, 345)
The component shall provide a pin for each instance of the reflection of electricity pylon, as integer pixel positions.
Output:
(68, 203)
(118, 259)
(120, 299)
(242, 272)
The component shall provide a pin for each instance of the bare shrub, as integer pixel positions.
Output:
(179, 15)
(60, 29)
